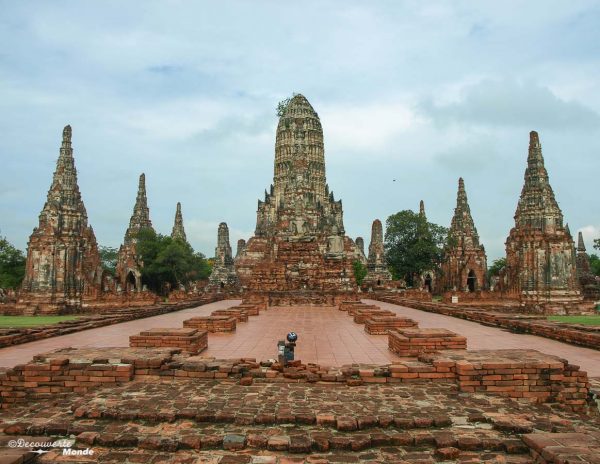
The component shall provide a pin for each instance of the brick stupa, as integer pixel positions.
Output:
(299, 252)
(465, 265)
(128, 269)
(540, 253)
(63, 265)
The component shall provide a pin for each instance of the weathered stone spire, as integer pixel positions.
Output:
(140, 219)
(62, 254)
(464, 265)
(462, 227)
(422, 209)
(241, 247)
(540, 253)
(223, 273)
(377, 271)
(360, 243)
(537, 206)
(178, 231)
(580, 243)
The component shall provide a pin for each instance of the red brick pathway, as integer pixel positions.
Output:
(481, 337)
(326, 336)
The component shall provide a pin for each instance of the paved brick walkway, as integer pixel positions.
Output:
(326, 336)
(481, 337)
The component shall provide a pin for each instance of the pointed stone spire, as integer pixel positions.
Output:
(140, 219)
(422, 208)
(241, 247)
(223, 274)
(178, 231)
(537, 206)
(462, 227)
(580, 243)
(377, 271)
(360, 243)
(62, 252)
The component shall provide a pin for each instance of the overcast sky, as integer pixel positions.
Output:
(186, 91)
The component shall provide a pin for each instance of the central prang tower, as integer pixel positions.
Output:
(299, 252)
(299, 202)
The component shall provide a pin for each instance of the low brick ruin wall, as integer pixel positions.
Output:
(212, 324)
(575, 334)
(540, 378)
(381, 325)
(412, 342)
(9, 337)
(361, 315)
(522, 374)
(239, 314)
(187, 339)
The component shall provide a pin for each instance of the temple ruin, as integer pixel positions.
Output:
(63, 265)
(299, 251)
(464, 266)
(223, 275)
(540, 253)
(378, 275)
(128, 270)
(178, 232)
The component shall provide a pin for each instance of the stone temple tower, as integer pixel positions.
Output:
(360, 250)
(178, 231)
(378, 274)
(464, 266)
(223, 274)
(63, 264)
(128, 269)
(540, 252)
(299, 247)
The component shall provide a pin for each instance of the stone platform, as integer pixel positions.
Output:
(240, 315)
(212, 324)
(414, 342)
(381, 325)
(187, 339)
(173, 407)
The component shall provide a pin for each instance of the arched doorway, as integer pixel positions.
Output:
(130, 282)
(472, 281)
(428, 283)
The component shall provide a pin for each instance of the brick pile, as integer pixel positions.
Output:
(212, 324)
(362, 314)
(381, 325)
(523, 374)
(412, 342)
(187, 339)
(240, 315)
(574, 334)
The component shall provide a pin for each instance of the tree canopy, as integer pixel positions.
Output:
(360, 271)
(595, 264)
(167, 262)
(413, 245)
(496, 267)
(12, 265)
(108, 258)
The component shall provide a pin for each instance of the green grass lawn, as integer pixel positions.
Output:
(31, 321)
(587, 320)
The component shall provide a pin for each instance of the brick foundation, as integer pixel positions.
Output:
(361, 315)
(240, 315)
(212, 324)
(381, 325)
(187, 339)
(412, 342)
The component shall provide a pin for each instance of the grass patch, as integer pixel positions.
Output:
(32, 321)
(587, 320)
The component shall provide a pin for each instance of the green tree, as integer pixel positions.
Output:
(595, 264)
(167, 263)
(496, 267)
(413, 245)
(12, 265)
(108, 258)
(360, 271)
(597, 243)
